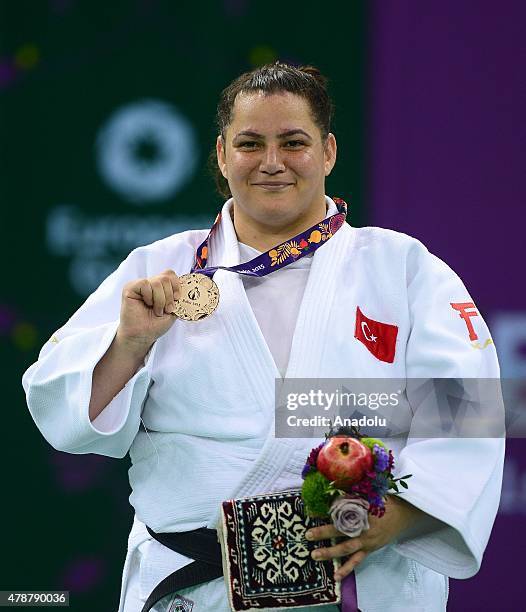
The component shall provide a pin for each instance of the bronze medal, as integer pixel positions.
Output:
(199, 297)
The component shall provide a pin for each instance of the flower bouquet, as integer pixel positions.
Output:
(347, 478)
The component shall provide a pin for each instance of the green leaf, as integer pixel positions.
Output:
(404, 484)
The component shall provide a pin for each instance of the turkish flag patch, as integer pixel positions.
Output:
(379, 338)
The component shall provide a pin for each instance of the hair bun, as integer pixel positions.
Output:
(314, 72)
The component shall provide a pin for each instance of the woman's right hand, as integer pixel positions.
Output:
(146, 307)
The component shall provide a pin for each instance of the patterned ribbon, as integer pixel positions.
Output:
(281, 255)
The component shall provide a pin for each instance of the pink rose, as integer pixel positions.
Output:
(350, 515)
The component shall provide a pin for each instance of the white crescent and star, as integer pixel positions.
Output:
(371, 337)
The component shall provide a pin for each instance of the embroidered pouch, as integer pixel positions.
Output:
(267, 560)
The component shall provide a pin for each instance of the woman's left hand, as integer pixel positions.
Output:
(399, 515)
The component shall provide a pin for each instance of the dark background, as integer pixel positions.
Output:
(430, 100)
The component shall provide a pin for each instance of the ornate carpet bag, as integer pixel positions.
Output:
(266, 558)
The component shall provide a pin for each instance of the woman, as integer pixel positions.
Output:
(193, 402)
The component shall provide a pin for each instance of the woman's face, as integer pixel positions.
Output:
(274, 159)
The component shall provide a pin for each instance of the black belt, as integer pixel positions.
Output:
(201, 545)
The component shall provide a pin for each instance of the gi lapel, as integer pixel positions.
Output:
(314, 326)
(236, 315)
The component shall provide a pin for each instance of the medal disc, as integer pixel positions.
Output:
(199, 297)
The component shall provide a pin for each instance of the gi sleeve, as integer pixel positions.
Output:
(58, 385)
(455, 480)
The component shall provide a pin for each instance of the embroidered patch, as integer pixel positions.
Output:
(379, 338)
(269, 559)
(467, 310)
(181, 604)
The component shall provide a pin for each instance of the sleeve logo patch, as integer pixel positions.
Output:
(466, 310)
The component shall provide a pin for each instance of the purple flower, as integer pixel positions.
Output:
(381, 458)
(349, 515)
(311, 460)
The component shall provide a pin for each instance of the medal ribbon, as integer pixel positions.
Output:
(281, 255)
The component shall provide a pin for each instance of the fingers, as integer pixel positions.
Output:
(166, 289)
(349, 566)
(141, 289)
(168, 294)
(157, 292)
(159, 297)
(324, 532)
(348, 547)
(172, 289)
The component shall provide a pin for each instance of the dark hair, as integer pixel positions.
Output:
(304, 81)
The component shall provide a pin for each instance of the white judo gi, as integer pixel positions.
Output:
(197, 418)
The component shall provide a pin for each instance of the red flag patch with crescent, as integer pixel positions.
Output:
(379, 338)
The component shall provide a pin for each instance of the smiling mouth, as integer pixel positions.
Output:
(272, 186)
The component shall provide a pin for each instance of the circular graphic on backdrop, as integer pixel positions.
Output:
(146, 151)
